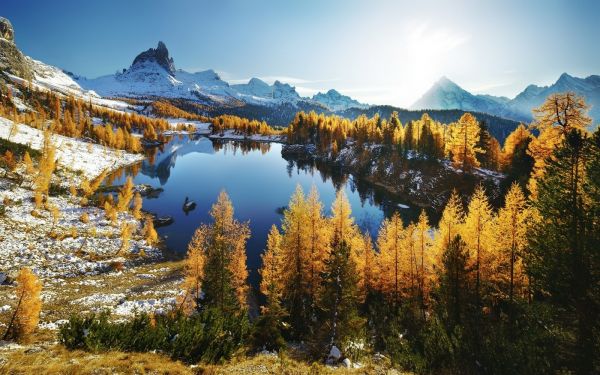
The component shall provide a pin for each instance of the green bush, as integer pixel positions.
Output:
(208, 336)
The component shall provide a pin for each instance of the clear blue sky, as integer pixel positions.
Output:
(377, 51)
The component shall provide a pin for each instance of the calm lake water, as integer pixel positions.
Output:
(259, 182)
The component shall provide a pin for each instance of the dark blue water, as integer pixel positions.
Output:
(259, 182)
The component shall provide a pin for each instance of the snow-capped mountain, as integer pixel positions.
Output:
(153, 73)
(446, 94)
(336, 101)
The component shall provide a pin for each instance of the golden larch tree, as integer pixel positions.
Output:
(136, 210)
(516, 138)
(225, 272)
(560, 113)
(366, 266)
(449, 226)
(273, 265)
(149, 232)
(425, 257)
(294, 244)
(511, 229)
(464, 138)
(125, 195)
(194, 271)
(318, 246)
(479, 235)
(390, 241)
(26, 315)
(47, 164)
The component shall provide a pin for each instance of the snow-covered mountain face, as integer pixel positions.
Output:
(153, 74)
(445, 94)
(336, 101)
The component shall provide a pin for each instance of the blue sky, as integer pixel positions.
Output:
(384, 52)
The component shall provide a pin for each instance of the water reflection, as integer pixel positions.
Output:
(259, 182)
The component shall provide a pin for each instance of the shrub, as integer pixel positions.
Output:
(208, 336)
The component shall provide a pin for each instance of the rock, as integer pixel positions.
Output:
(6, 30)
(335, 353)
(163, 221)
(159, 55)
(347, 363)
(3, 278)
(11, 59)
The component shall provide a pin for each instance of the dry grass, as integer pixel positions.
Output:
(57, 360)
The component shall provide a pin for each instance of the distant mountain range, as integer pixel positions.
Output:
(153, 75)
(445, 94)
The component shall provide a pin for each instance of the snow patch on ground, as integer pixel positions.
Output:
(89, 159)
(26, 241)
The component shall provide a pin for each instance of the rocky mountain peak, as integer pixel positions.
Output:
(12, 60)
(6, 30)
(159, 55)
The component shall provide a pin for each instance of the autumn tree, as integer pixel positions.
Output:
(47, 164)
(392, 257)
(454, 280)
(449, 226)
(136, 210)
(515, 160)
(563, 245)
(26, 315)
(224, 245)
(478, 234)
(557, 116)
(366, 266)
(125, 195)
(317, 245)
(270, 326)
(149, 232)
(294, 243)
(340, 322)
(126, 232)
(511, 236)
(194, 272)
(424, 257)
(29, 168)
(464, 142)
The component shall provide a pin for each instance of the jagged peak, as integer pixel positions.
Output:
(159, 55)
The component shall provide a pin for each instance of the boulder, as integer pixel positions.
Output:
(335, 353)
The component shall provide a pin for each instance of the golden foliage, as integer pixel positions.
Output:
(150, 234)
(125, 195)
(136, 210)
(29, 304)
(560, 113)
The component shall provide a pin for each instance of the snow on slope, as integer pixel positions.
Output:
(87, 158)
(446, 94)
(51, 78)
(336, 101)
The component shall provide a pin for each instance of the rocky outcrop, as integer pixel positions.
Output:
(11, 59)
(6, 30)
(159, 55)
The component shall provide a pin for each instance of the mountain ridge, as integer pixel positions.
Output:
(446, 94)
